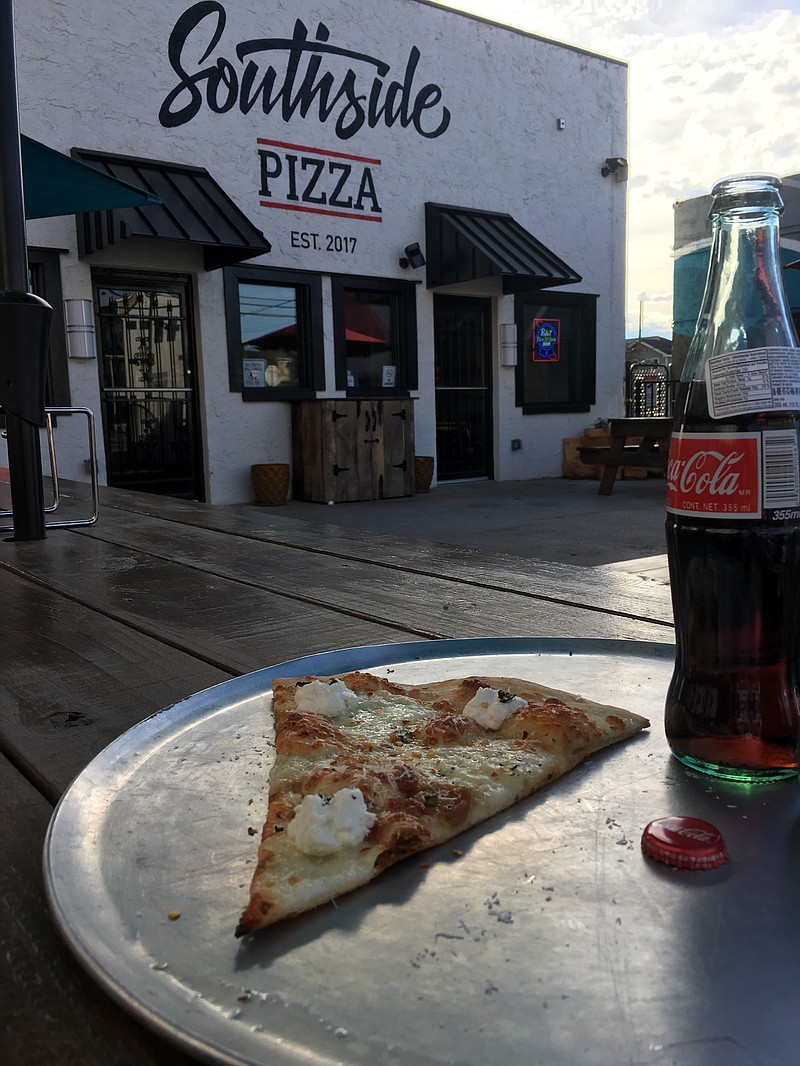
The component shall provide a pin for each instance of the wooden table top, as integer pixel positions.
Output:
(104, 625)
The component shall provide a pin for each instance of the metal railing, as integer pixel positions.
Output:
(648, 390)
(51, 448)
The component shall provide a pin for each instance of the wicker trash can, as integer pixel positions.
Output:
(423, 473)
(270, 483)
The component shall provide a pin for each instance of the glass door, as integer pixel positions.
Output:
(147, 386)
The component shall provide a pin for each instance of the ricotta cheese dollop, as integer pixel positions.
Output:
(490, 707)
(329, 698)
(322, 825)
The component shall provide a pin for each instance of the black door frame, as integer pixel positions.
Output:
(443, 304)
(136, 279)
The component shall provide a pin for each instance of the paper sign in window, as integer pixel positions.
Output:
(254, 373)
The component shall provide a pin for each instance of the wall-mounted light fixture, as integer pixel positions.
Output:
(413, 257)
(79, 322)
(617, 166)
(508, 344)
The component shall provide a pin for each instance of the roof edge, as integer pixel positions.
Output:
(525, 33)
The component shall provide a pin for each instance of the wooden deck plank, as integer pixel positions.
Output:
(652, 567)
(226, 623)
(588, 586)
(91, 613)
(428, 605)
(73, 680)
(51, 1011)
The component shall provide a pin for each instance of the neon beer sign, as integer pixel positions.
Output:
(546, 340)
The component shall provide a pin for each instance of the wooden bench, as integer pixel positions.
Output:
(648, 448)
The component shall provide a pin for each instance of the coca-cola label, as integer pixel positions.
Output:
(714, 476)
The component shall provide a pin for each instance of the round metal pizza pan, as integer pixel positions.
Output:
(542, 936)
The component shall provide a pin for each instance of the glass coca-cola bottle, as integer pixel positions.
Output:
(733, 505)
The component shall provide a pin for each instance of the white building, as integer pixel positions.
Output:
(301, 151)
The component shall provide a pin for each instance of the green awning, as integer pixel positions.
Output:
(55, 184)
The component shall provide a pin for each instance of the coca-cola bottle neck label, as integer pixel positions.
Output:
(743, 476)
(753, 381)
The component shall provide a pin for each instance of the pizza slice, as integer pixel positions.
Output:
(368, 771)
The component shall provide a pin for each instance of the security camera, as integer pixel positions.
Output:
(413, 257)
(613, 165)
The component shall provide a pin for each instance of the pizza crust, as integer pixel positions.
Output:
(427, 770)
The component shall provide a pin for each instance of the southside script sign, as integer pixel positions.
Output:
(294, 75)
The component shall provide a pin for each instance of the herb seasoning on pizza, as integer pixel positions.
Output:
(368, 771)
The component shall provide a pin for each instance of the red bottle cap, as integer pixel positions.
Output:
(688, 842)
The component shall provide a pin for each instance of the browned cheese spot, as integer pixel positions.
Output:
(298, 733)
(447, 728)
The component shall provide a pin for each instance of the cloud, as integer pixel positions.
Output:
(727, 83)
(787, 88)
(712, 93)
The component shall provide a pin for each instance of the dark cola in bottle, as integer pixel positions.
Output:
(733, 505)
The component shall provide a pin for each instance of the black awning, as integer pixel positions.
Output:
(464, 244)
(194, 208)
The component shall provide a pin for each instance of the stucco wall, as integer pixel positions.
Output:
(97, 76)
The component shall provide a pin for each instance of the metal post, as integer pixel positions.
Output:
(24, 452)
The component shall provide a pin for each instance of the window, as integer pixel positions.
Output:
(274, 333)
(375, 330)
(556, 365)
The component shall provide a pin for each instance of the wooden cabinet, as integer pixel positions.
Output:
(353, 449)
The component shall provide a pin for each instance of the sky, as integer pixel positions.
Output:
(714, 90)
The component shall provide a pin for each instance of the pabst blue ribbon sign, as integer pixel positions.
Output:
(710, 475)
(546, 340)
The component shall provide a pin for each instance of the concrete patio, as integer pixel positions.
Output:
(556, 519)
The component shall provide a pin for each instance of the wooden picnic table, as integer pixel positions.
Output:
(634, 442)
(103, 626)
